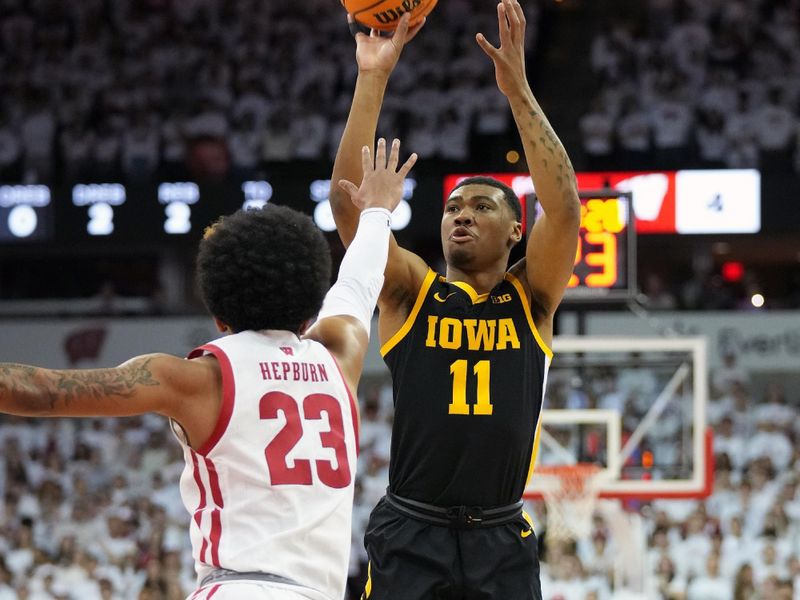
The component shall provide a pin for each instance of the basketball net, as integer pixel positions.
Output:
(571, 499)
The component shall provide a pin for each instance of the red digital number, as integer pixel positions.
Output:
(313, 406)
(276, 451)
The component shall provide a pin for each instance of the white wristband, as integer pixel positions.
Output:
(378, 210)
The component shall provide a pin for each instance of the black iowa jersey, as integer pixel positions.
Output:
(468, 372)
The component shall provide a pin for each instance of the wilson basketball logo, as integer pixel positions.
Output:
(391, 15)
(385, 15)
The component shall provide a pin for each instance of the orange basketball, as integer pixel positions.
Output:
(385, 14)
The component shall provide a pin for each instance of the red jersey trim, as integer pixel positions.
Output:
(228, 395)
(198, 513)
(213, 591)
(216, 516)
(354, 413)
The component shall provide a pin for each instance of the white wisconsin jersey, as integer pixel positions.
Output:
(272, 490)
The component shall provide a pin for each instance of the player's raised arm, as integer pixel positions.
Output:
(376, 57)
(405, 271)
(344, 320)
(550, 253)
(149, 383)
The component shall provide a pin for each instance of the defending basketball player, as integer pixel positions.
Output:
(265, 415)
(468, 351)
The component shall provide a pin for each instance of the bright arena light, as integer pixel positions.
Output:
(757, 300)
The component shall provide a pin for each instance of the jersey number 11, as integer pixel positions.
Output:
(459, 404)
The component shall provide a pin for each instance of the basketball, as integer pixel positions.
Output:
(385, 14)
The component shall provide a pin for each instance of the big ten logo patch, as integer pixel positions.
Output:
(501, 299)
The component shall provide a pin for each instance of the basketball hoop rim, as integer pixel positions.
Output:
(576, 469)
(705, 490)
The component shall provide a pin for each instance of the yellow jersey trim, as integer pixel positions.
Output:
(471, 292)
(403, 331)
(368, 586)
(535, 451)
(527, 307)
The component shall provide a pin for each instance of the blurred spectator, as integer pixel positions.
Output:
(724, 377)
(37, 134)
(672, 122)
(633, 135)
(711, 585)
(775, 125)
(744, 586)
(278, 140)
(597, 131)
(657, 297)
(10, 148)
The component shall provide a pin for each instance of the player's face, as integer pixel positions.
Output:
(478, 227)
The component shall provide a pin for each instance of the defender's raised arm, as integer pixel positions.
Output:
(344, 320)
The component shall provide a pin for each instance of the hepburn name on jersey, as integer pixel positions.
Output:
(293, 371)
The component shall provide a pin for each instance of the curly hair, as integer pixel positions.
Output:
(267, 268)
(509, 195)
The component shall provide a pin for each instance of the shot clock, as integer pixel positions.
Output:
(605, 260)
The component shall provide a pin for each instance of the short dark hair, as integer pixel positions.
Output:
(510, 195)
(266, 268)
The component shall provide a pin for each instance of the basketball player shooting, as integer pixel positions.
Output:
(264, 526)
(468, 351)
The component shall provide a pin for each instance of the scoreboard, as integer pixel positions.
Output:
(644, 202)
(702, 201)
(111, 213)
(115, 215)
(605, 260)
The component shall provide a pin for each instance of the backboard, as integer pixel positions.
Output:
(636, 407)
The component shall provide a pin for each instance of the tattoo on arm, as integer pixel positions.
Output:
(103, 383)
(539, 126)
(24, 386)
(15, 378)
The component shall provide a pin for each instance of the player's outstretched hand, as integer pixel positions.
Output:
(377, 53)
(509, 58)
(382, 185)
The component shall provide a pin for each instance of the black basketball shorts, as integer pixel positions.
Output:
(414, 560)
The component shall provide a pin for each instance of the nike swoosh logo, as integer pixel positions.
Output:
(526, 532)
(439, 298)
